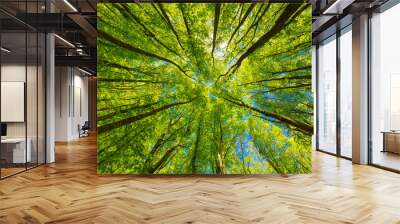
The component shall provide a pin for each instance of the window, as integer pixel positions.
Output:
(385, 89)
(345, 92)
(22, 78)
(327, 95)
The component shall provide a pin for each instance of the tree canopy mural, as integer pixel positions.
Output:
(204, 88)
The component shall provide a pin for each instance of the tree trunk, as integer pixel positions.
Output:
(131, 48)
(147, 30)
(278, 26)
(300, 77)
(303, 127)
(196, 146)
(241, 22)
(120, 123)
(121, 111)
(161, 162)
(216, 21)
(168, 21)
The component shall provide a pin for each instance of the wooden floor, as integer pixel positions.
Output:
(5, 172)
(70, 191)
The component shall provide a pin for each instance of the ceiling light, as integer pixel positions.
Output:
(70, 5)
(65, 41)
(84, 71)
(80, 51)
(337, 7)
(5, 50)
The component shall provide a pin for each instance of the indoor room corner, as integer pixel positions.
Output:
(73, 104)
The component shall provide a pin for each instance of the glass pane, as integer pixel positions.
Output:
(23, 90)
(346, 93)
(31, 98)
(41, 99)
(327, 96)
(14, 153)
(385, 89)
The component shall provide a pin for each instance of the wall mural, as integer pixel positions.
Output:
(204, 88)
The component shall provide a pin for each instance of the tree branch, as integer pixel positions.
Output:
(129, 80)
(287, 87)
(255, 22)
(277, 28)
(126, 110)
(241, 22)
(109, 64)
(168, 21)
(278, 79)
(216, 21)
(282, 78)
(131, 48)
(144, 27)
(303, 127)
(296, 48)
(190, 37)
(120, 123)
(163, 159)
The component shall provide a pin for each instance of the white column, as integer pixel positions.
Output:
(50, 100)
(360, 90)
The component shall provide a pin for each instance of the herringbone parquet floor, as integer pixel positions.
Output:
(70, 191)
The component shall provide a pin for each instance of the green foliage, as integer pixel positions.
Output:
(204, 88)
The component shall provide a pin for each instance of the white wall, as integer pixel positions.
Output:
(80, 109)
(16, 73)
(62, 82)
(71, 102)
(12, 73)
